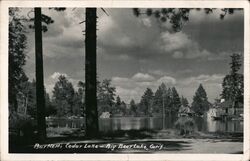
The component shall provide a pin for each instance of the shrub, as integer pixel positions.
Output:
(21, 128)
(185, 125)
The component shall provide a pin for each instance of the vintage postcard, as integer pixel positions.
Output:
(124, 80)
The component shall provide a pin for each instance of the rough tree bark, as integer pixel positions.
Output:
(90, 74)
(40, 100)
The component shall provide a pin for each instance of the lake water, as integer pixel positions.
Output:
(203, 125)
(153, 123)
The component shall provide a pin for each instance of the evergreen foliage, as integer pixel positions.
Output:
(105, 96)
(118, 101)
(63, 96)
(184, 101)
(17, 55)
(175, 101)
(233, 83)
(160, 96)
(200, 102)
(177, 17)
(133, 107)
(146, 102)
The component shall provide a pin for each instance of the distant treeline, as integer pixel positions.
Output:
(67, 101)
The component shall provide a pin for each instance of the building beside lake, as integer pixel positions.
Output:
(214, 113)
(105, 115)
(225, 109)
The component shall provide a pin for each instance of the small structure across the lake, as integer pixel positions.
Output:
(185, 111)
(225, 110)
(105, 115)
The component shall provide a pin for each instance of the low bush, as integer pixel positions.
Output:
(185, 125)
(22, 128)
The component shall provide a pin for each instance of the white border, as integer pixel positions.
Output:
(5, 156)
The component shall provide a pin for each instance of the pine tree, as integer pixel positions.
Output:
(160, 96)
(133, 107)
(49, 108)
(39, 20)
(184, 101)
(175, 101)
(91, 101)
(168, 101)
(177, 17)
(200, 102)
(123, 108)
(78, 105)
(63, 96)
(233, 83)
(146, 101)
(17, 55)
(118, 101)
(106, 96)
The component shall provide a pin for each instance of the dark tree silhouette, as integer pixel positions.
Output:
(133, 107)
(39, 27)
(184, 101)
(17, 55)
(177, 17)
(39, 76)
(233, 83)
(146, 102)
(63, 96)
(159, 98)
(200, 102)
(118, 101)
(90, 72)
(175, 101)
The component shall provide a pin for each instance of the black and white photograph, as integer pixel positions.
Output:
(125, 80)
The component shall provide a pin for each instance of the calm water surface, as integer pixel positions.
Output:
(202, 124)
(154, 123)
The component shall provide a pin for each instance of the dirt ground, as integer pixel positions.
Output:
(185, 145)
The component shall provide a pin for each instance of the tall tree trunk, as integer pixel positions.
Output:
(40, 100)
(90, 74)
